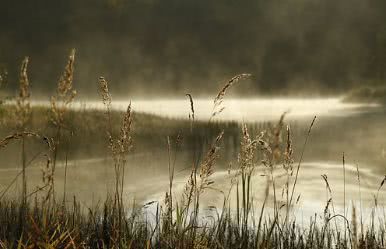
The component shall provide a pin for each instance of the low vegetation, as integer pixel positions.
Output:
(43, 218)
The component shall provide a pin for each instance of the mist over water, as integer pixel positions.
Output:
(239, 110)
(147, 177)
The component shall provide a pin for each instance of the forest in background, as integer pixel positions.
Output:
(169, 47)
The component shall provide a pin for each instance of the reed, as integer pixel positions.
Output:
(191, 114)
(60, 103)
(23, 114)
(301, 158)
(119, 146)
(218, 100)
(39, 221)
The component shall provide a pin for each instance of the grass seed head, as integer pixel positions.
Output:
(104, 91)
(23, 109)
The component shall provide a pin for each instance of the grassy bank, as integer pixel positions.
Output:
(42, 217)
(46, 219)
(54, 226)
(43, 220)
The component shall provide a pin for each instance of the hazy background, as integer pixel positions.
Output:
(163, 49)
(168, 47)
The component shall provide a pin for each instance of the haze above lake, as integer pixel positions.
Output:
(240, 110)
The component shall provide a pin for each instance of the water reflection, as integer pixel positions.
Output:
(356, 129)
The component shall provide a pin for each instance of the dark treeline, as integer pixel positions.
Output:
(173, 46)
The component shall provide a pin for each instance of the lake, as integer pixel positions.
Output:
(358, 130)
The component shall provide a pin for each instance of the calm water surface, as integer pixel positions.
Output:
(359, 130)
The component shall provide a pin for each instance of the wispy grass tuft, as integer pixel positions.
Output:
(179, 221)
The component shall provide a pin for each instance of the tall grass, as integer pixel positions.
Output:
(23, 113)
(60, 103)
(119, 147)
(37, 220)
